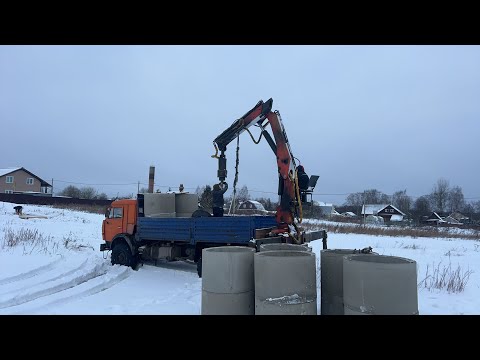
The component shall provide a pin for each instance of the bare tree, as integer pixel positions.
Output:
(422, 205)
(71, 191)
(371, 196)
(456, 200)
(440, 195)
(242, 195)
(476, 206)
(102, 196)
(206, 198)
(88, 192)
(374, 196)
(468, 209)
(267, 203)
(402, 201)
(126, 196)
(354, 199)
(384, 199)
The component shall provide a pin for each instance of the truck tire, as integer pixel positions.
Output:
(201, 213)
(122, 255)
(199, 267)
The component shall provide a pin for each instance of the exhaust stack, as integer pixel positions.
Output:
(151, 177)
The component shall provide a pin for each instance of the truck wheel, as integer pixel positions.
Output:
(201, 213)
(199, 267)
(122, 255)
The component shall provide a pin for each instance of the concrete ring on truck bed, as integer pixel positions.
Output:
(379, 285)
(331, 280)
(228, 281)
(285, 283)
(276, 247)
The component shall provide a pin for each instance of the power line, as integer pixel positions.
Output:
(358, 192)
(249, 190)
(79, 183)
(314, 194)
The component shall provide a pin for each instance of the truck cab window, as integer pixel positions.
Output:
(116, 213)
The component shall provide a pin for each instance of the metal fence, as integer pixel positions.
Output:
(50, 200)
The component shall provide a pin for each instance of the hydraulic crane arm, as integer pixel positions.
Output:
(280, 146)
(286, 170)
(256, 115)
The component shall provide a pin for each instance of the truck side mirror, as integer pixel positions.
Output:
(107, 212)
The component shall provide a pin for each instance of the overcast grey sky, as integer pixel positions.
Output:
(361, 117)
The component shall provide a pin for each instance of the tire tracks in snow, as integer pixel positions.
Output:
(39, 290)
(83, 265)
(31, 273)
(88, 288)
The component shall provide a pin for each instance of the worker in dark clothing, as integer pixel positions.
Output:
(303, 181)
(303, 178)
(218, 201)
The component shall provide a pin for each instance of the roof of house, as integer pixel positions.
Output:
(436, 217)
(452, 220)
(321, 203)
(459, 216)
(257, 204)
(372, 209)
(11, 170)
(400, 211)
(326, 208)
(8, 170)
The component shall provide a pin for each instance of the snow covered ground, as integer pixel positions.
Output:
(62, 271)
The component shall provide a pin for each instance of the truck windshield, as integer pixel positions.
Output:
(115, 213)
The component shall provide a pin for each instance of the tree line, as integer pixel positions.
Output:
(86, 192)
(205, 199)
(443, 198)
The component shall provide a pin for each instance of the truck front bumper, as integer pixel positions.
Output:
(105, 246)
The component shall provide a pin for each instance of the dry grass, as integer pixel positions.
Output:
(71, 243)
(452, 280)
(388, 231)
(31, 240)
(414, 247)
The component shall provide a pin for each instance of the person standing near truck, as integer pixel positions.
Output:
(303, 178)
(218, 200)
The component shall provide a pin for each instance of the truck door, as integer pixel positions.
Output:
(114, 223)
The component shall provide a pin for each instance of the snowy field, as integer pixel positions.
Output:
(62, 271)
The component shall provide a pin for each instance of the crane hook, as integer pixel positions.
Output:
(216, 151)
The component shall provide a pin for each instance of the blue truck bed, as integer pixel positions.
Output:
(226, 229)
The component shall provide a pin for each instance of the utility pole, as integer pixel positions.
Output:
(52, 186)
(363, 208)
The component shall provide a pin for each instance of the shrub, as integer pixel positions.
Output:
(453, 280)
(30, 240)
